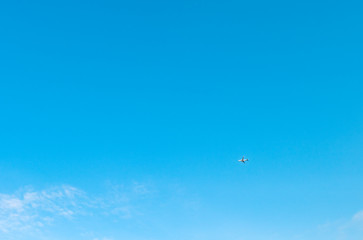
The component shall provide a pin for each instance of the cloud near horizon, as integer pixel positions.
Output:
(29, 211)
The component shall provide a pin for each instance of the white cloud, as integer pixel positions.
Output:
(29, 210)
(358, 217)
(343, 229)
(32, 209)
(10, 203)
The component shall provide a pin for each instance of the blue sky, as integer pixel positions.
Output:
(125, 120)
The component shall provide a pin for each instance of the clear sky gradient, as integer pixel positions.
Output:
(125, 120)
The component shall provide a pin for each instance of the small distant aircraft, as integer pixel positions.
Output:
(243, 160)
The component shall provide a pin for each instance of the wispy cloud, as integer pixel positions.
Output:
(343, 229)
(358, 217)
(30, 210)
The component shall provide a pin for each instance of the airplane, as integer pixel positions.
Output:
(243, 160)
